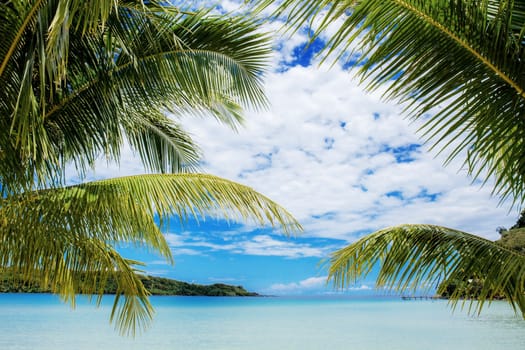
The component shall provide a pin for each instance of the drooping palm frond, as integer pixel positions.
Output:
(462, 60)
(162, 144)
(67, 235)
(416, 256)
(183, 195)
(141, 60)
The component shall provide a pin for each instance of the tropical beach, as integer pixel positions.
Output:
(342, 165)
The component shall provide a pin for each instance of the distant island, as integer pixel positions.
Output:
(155, 285)
(165, 286)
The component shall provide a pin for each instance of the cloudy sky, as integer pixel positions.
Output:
(341, 160)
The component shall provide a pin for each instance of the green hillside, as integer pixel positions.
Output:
(155, 285)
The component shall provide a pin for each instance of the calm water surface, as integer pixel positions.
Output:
(42, 322)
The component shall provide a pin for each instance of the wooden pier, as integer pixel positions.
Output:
(420, 297)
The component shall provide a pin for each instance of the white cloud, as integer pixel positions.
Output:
(362, 287)
(314, 285)
(306, 285)
(265, 245)
(320, 150)
(257, 245)
(325, 151)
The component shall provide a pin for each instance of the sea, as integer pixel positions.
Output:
(42, 321)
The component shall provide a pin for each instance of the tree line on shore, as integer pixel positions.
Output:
(9, 283)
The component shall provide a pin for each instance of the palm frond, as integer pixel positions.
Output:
(16, 18)
(65, 237)
(71, 264)
(162, 144)
(422, 256)
(193, 195)
(142, 60)
(123, 209)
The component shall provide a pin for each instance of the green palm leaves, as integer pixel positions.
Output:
(66, 237)
(140, 61)
(415, 256)
(79, 79)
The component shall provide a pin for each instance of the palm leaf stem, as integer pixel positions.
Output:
(464, 44)
(19, 34)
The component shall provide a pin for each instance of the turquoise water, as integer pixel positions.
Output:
(42, 322)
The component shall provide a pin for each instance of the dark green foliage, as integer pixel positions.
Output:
(164, 286)
(514, 239)
(470, 288)
(466, 289)
(9, 283)
(521, 221)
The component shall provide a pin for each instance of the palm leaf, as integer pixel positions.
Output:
(80, 78)
(143, 61)
(422, 256)
(162, 143)
(64, 237)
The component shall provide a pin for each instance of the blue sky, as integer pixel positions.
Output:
(341, 160)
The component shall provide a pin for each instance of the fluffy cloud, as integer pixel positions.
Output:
(201, 243)
(342, 160)
(315, 285)
(307, 285)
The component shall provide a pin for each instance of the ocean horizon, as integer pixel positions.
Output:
(42, 321)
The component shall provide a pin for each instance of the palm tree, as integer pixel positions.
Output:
(79, 79)
(465, 59)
